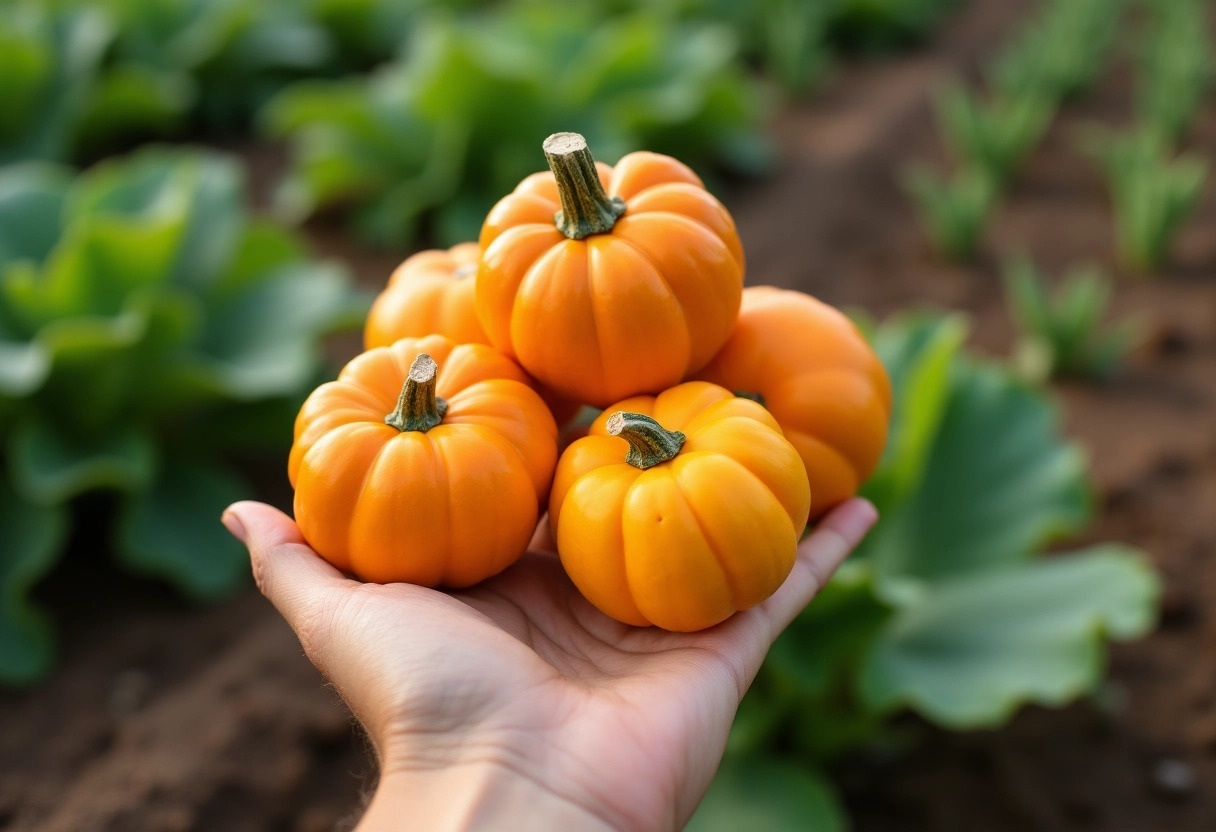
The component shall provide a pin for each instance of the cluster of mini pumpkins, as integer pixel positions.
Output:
(731, 417)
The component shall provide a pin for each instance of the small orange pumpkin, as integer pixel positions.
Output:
(430, 293)
(813, 370)
(680, 509)
(425, 462)
(634, 271)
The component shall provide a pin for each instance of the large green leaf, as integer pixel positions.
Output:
(968, 650)
(172, 530)
(50, 467)
(31, 208)
(30, 540)
(765, 793)
(999, 483)
(918, 352)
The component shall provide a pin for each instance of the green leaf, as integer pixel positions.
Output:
(999, 483)
(172, 530)
(969, 650)
(769, 794)
(918, 352)
(31, 209)
(31, 538)
(50, 467)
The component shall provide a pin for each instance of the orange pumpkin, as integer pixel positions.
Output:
(608, 282)
(430, 293)
(680, 509)
(813, 370)
(425, 462)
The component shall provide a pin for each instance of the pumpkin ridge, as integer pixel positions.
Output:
(645, 255)
(440, 472)
(709, 542)
(668, 215)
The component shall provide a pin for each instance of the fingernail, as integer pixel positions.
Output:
(234, 525)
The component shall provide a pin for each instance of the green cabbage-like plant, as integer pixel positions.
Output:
(452, 126)
(150, 330)
(1152, 192)
(1062, 334)
(949, 609)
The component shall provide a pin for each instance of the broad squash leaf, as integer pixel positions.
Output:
(771, 794)
(50, 467)
(973, 648)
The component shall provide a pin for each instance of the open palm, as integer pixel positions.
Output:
(623, 725)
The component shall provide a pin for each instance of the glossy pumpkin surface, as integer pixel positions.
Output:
(819, 379)
(448, 505)
(684, 543)
(629, 310)
(430, 293)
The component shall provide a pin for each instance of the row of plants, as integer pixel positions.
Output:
(153, 334)
(948, 611)
(1058, 55)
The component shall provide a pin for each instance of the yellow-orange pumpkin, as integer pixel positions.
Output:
(608, 282)
(430, 293)
(680, 509)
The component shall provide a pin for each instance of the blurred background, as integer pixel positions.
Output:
(198, 199)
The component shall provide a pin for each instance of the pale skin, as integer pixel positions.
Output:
(516, 704)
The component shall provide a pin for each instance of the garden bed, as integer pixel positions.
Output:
(166, 717)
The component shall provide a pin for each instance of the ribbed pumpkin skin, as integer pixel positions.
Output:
(684, 544)
(430, 293)
(819, 379)
(633, 310)
(450, 506)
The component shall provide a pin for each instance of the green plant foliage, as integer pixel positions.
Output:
(1175, 70)
(769, 794)
(1061, 51)
(145, 321)
(448, 130)
(1152, 192)
(49, 63)
(1062, 334)
(948, 609)
(953, 210)
(992, 136)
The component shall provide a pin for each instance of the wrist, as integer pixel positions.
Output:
(484, 794)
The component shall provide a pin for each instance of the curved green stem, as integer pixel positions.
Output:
(586, 208)
(418, 408)
(649, 442)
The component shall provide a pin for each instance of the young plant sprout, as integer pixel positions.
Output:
(1061, 333)
(1175, 68)
(954, 210)
(1152, 192)
(992, 135)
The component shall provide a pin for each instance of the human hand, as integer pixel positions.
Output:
(515, 704)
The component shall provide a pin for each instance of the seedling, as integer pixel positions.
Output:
(1152, 192)
(954, 210)
(993, 135)
(1061, 334)
(1061, 51)
(1175, 67)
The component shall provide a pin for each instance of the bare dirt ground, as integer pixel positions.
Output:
(166, 717)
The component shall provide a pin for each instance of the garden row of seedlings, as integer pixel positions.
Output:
(1152, 187)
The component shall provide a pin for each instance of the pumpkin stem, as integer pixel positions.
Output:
(586, 208)
(649, 443)
(755, 397)
(418, 408)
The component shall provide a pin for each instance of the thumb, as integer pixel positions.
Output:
(302, 586)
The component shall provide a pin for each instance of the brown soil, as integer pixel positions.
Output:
(166, 717)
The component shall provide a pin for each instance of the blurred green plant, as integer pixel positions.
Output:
(953, 210)
(1175, 66)
(149, 330)
(444, 133)
(883, 25)
(1060, 52)
(947, 610)
(1062, 333)
(1152, 191)
(993, 136)
(86, 77)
